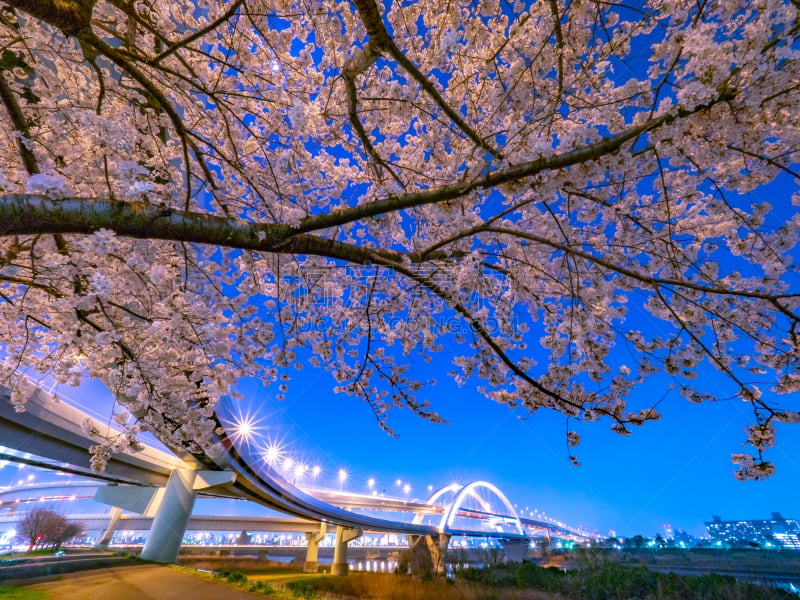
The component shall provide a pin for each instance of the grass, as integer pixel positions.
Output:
(32, 553)
(18, 593)
(387, 586)
(240, 581)
(599, 580)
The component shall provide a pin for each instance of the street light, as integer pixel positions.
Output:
(299, 470)
(272, 454)
(288, 465)
(342, 477)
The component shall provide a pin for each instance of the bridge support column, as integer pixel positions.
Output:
(105, 540)
(314, 538)
(169, 524)
(516, 549)
(173, 508)
(343, 535)
(428, 552)
(438, 547)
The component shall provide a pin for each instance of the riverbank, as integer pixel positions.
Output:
(594, 575)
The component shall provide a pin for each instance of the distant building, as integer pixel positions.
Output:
(683, 539)
(778, 531)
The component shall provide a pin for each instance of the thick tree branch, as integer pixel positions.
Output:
(29, 214)
(72, 17)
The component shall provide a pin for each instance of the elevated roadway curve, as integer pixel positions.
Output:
(52, 429)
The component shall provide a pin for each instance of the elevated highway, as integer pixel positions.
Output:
(53, 430)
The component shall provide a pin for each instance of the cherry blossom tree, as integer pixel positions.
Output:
(571, 195)
(44, 527)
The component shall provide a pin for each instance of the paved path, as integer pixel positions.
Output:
(140, 582)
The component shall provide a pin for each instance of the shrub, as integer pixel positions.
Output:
(231, 576)
(611, 580)
(302, 589)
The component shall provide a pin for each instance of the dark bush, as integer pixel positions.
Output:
(302, 589)
(231, 576)
(615, 581)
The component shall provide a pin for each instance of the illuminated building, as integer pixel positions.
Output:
(777, 531)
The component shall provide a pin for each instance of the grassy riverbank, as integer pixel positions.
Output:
(602, 580)
(591, 576)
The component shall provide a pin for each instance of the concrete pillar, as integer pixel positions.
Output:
(438, 547)
(314, 538)
(515, 549)
(428, 552)
(343, 535)
(166, 534)
(105, 540)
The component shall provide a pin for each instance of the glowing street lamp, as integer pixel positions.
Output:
(245, 428)
(272, 454)
(371, 483)
(299, 470)
(342, 477)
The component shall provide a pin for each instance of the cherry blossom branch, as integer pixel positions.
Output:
(766, 159)
(480, 330)
(354, 67)
(163, 103)
(605, 146)
(648, 279)
(559, 400)
(20, 124)
(370, 16)
(559, 45)
(174, 46)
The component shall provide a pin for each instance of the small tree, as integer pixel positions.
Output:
(44, 527)
(72, 530)
(40, 525)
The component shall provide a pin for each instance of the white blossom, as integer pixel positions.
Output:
(52, 186)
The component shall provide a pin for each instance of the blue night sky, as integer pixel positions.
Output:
(676, 471)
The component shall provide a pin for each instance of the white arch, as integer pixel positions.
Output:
(469, 489)
(453, 487)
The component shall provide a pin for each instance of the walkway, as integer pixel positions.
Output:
(140, 582)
